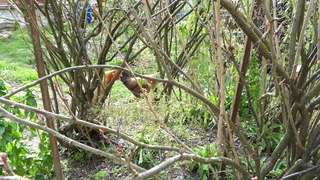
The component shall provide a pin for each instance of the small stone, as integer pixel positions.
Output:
(5, 34)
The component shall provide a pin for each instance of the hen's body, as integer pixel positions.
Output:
(100, 90)
(132, 83)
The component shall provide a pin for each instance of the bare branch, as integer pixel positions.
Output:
(88, 124)
(68, 140)
(189, 90)
(190, 157)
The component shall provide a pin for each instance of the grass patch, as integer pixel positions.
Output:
(132, 115)
(16, 58)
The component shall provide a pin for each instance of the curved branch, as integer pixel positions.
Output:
(190, 157)
(312, 170)
(313, 104)
(91, 125)
(68, 140)
(177, 84)
(311, 94)
(311, 79)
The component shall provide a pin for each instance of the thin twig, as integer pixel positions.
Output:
(66, 139)
(91, 125)
(175, 83)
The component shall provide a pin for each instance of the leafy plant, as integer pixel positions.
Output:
(206, 152)
(30, 100)
(23, 161)
(143, 157)
(100, 175)
(3, 88)
(16, 26)
(199, 114)
(278, 170)
(79, 155)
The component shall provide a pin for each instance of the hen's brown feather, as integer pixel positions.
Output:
(132, 84)
(108, 75)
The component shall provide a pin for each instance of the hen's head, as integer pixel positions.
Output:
(125, 75)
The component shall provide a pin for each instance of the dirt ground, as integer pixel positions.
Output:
(88, 170)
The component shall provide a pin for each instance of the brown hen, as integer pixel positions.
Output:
(132, 84)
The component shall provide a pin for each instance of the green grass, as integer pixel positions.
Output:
(16, 58)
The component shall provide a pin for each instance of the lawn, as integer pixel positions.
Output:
(16, 58)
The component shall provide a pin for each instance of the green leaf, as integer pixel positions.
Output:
(140, 156)
(2, 131)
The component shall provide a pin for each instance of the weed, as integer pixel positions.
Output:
(79, 155)
(11, 142)
(206, 152)
(199, 114)
(116, 169)
(144, 157)
(100, 175)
